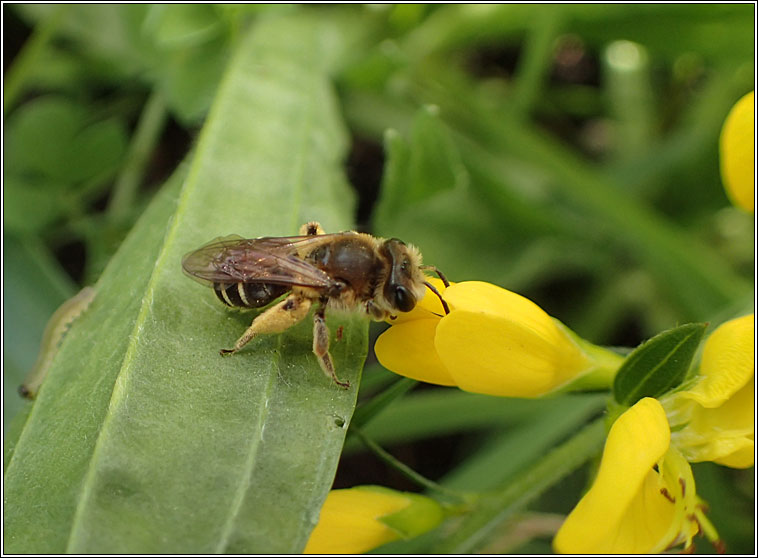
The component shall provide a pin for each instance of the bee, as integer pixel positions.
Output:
(347, 271)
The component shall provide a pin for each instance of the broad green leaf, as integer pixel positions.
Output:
(658, 365)
(143, 439)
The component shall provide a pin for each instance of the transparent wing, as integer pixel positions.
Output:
(274, 260)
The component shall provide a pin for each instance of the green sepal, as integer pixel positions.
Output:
(659, 365)
(421, 515)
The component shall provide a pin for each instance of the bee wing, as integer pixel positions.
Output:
(274, 260)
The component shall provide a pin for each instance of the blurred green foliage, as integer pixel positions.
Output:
(566, 152)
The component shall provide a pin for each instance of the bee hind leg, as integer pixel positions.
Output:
(321, 347)
(276, 319)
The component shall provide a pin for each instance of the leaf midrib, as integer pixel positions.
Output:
(132, 348)
(127, 368)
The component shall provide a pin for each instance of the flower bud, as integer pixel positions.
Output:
(737, 146)
(356, 520)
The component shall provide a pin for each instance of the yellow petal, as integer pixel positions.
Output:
(624, 511)
(408, 349)
(737, 145)
(715, 419)
(723, 434)
(499, 343)
(486, 298)
(728, 362)
(349, 521)
(741, 458)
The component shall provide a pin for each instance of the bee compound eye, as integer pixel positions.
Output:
(403, 299)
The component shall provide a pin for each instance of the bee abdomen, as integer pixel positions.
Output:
(248, 295)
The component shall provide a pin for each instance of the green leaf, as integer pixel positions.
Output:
(40, 134)
(429, 163)
(181, 24)
(19, 195)
(143, 439)
(658, 365)
(51, 140)
(108, 33)
(96, 151)
(189, 77)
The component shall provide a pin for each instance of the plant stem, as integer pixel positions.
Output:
(143, 142)
(27, 60)
(365, 412)
(537, 59)
(419, 479)
(492, 510)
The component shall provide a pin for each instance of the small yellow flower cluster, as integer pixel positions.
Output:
(714, 419)
(643, 499)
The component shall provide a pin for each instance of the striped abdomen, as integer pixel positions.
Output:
(249, 295)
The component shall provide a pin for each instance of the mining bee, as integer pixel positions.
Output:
(345, 271)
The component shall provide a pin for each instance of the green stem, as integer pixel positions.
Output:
(605, 365)
(143, 142)
(491, 511)
(537, 59)
(27, 60)
(412, 475)
(364, 413)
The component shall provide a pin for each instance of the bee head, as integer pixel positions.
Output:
(404, 286)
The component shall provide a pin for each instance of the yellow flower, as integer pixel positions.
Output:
(737, 145)
(643, 499)
(715, 418)
(355, 520)
(635, 508)
(493, 341)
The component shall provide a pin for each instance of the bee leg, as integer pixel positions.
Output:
(276, 319)
(312, 228)
(321, 347)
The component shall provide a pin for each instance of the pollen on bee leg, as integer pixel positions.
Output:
(276, 319)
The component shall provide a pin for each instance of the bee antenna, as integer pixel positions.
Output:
(439, 273)
(442, 300)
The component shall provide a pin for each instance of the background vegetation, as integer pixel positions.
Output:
(568, 153)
